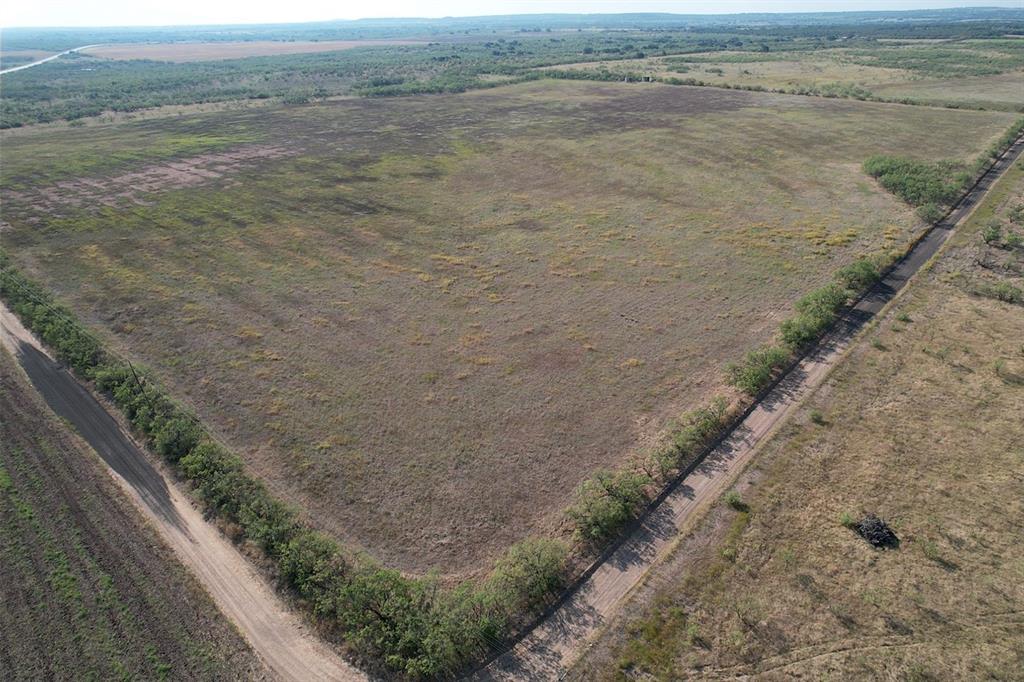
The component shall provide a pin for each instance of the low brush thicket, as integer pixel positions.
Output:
(411, 625)
(926, 185)
(932, 187)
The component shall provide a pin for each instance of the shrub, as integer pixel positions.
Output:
(529, 573)
(1014, 241)
(1002, 291)
(734, 500)
(268, 522)
(218, 477)
(930, 213)
(858, 275)
(757, 369)
(818, 309)
(992, 233)
(696, 430)
(817, 417)
(606, 502)
(1016, 214)
(176, 436)
(312, 565)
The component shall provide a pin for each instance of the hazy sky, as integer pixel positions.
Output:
(165, 12)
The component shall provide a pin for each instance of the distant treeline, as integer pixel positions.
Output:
(942, 23)
(78, 85)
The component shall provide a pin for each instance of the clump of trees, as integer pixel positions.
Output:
(934, 186)
(929, 186)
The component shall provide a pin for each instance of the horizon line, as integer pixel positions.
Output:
(1012, 6)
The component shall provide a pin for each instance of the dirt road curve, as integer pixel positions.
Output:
(284, 644)
(43, 61)
(548, 650)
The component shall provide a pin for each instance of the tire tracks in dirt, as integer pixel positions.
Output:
(286, 646)
(547, 651)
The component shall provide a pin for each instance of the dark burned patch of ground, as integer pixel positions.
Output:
(88, 590)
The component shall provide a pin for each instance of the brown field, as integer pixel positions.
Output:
(25, 55)
(199, 52)
(921, 425)
(425, 320)
(1003, 90)
(799, 69)
(88, 590)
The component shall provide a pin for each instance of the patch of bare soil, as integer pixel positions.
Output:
(132, 187)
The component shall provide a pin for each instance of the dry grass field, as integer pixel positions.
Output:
(961, 73)
(11, 58)
(922, 426)
(88, 590)
(199, 52)
(425, 320)
(1004, 90)
(780, 70)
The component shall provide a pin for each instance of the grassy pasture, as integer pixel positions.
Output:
(1001, 91)
(90, 592)
(920, 425)
(775, 70)
(425, 320)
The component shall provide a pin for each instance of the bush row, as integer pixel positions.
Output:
(926, 185)
(409, 625)
(609, 501)
(814, 314)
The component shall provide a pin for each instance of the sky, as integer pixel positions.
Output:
(178, 12)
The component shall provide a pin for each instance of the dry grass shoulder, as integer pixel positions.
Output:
(920, 425)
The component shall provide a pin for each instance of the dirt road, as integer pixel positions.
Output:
(43, 61)
(547, 651)
(289, 650)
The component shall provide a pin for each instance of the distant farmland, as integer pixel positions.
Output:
(198, 51)
(961, 73)
(425, 320)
